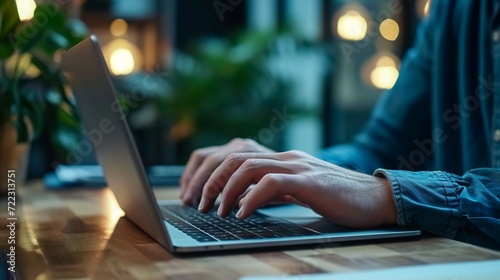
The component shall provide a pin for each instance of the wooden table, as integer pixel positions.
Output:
(82, 234)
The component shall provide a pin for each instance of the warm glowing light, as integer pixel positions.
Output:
(26, 9)
(384, 77)
(122, 61)
(122, 57)
(115, 213)
(385, 60)
(385, 73)
(389, 29)
(423, 7)
(118, 27)
(426, 7)
(352, 26)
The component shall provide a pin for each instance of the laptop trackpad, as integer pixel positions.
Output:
(302, 216)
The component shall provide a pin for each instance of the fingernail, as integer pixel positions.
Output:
(185, 200)
(219, 211)
(202, 205)
(240, 212)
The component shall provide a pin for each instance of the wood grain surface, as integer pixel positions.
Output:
(82, 234)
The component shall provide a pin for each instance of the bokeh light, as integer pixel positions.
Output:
(122, 57)
(26, 9)
(122, 61)
(389, 29)
(385, 73)
(118, 27)
(352, 26)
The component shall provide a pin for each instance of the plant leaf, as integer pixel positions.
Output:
(52, 77)
(34, 112)
(52, 41)
(19, 124)
(6, 49)
(27, 36)
(9, 18)
(67, 134)
(74, 30)
(56, 17)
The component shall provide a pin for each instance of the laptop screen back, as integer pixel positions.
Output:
(107, 129)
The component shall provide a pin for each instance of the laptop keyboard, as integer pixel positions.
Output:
(210, 227)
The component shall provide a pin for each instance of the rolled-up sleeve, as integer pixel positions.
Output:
(464, 207)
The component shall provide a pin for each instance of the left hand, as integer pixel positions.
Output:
(343, 196)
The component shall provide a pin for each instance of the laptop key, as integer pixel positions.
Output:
(210, 227)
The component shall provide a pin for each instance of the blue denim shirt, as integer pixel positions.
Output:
(436, 134)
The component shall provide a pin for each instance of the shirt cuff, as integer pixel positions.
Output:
(427, 200)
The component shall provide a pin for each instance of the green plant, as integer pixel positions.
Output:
(32, 88)
(226, 88)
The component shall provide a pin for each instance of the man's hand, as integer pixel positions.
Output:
(203, 162)
(343, 196)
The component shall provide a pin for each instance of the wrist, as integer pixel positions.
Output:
(388, 207)
(376, 202)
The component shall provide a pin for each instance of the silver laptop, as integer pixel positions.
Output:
(176, 227)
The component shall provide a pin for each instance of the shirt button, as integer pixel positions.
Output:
(496, 36)
(496, 135)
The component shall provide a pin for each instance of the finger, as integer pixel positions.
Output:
(251, 171)
(197, 157)
(271, 185)
(221, 175)
(242, 196)
(277, 200)
(194, 162)
(234, 160)
(195, 186)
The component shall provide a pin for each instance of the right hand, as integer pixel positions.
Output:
(203, 162)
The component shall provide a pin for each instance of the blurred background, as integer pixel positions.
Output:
(291, 74)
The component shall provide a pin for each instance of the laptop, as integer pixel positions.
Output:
(177, 227)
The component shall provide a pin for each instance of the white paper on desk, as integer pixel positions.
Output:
(79, 173)
(484, 270)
